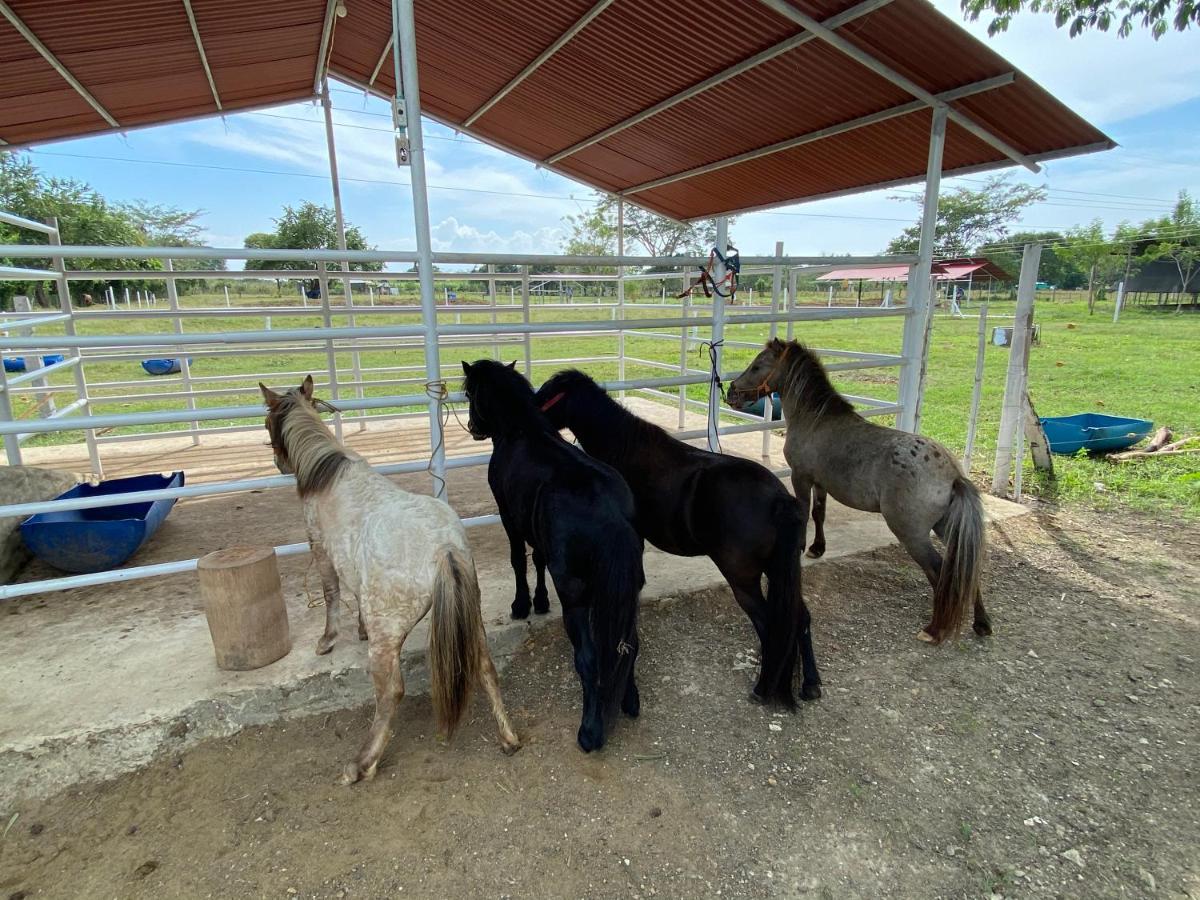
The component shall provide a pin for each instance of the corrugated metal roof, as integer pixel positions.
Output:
(139, 60)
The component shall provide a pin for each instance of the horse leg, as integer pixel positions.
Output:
(921, 549)
(983, 622)
(631, 702)
(817, 549)
(509, 742)
(748, 594)
(802, 486)
(577, 619)
(362, 628)
(331, 588)
(384, 657)
(541, 599)
(516, 555)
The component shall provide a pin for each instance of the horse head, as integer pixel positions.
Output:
(560, 397)
(498, 397)
(763, 375)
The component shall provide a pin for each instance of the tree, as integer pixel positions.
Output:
(1177, 238)
(969, 219)
(308, 227)
(1054, 268)
(1099, 258)
(595, 233)
(84, 217)
(1082, 15)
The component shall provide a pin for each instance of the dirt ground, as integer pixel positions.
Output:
(1057, 759)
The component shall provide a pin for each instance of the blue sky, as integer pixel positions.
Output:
(1144, 94)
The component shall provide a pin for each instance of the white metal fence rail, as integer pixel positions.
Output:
(694, 322)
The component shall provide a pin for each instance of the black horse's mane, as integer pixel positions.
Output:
(506, 395)
(804, 380)
(632, 431)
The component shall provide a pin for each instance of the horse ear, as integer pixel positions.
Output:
(513, 365)
(775, 344)
(466, 367)
(269, 396)
(306, 387)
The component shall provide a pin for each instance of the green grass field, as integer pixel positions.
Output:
(1146, 366)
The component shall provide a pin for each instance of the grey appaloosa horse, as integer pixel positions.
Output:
(913, 481)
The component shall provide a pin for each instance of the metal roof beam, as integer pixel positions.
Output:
(383, 57)
(62, 70)
(785, 9)
(1048, 156)
(797, 40)
(561, 42)
(323, 50)
(212, 85)
(883, 115)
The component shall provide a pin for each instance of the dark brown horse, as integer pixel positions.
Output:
(913, 481)
(694, 503)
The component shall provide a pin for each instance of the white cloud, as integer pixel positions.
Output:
(452, 235)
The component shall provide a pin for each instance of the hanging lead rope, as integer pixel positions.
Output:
(716, 392)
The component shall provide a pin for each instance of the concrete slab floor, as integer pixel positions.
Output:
(97, 681)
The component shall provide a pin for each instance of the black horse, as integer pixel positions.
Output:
(691, 502)
(577, 514)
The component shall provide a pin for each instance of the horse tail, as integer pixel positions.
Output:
(958, 580)
(454, 634)
(614, 608)
(785, 600)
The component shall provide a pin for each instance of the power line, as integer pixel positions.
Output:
(248, 171)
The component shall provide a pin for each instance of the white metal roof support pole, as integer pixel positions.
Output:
(977, 390)
(185, 370)
(621, 291)
(793, 278)
(404, 35)
(526, 338)
(717, 335)
(1012, 413)
(81, 389)
(12, 442)
(340, 220)
(916, 343)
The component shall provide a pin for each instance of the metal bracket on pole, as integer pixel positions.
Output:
(400, 130)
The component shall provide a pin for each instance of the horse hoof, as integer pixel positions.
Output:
(756, 697)
(815, 552)
(362, 635)
(925, 636)
(590, 739)
(983, 629)
(510, 747)
(541, 605)
(520, 612)
(810, 692)
(350, 774)
(325, 644)
(632, 706)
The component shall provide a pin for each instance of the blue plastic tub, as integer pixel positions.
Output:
(759, 407)
(93, 540)
(161, 366)
(1093, 432)
(17, 364)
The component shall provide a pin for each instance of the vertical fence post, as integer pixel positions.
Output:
(683, 349)
(185, 369)
(404, 57)
(793, 279)
(1012, 414)
(491, 286)
(12, 442)
(977, 390)
(81, 389)
(717, 336)
(1120, 302)
(330, 354)
(918, 320)
(528, 338)
(621, 290)
(776, 290)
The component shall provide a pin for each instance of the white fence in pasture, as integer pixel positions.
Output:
(342, 326)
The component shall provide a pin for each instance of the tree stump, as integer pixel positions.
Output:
(243, 601)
